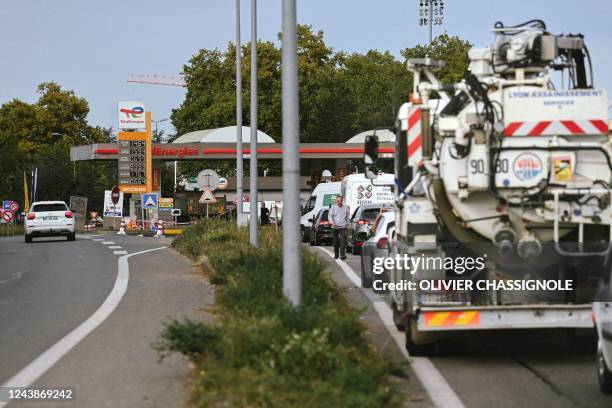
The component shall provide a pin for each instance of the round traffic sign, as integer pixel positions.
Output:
(14, 206)
(7, 215)
(115, 195)
(208, 179)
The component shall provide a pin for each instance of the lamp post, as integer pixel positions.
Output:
(253, 156)
(156, 122)
(240, 219)
(292, 248)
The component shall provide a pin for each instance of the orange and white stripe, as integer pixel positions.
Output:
(412, 125)
(557, 127)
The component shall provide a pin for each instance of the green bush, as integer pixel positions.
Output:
(263, 352)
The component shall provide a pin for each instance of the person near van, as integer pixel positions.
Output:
(339, 218)
(265, 215)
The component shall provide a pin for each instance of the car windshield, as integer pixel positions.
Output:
(309, 205)
(49, 207)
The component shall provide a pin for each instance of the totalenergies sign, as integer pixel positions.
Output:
(131, 115)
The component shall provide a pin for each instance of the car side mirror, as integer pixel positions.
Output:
(312, 219)
(370, 156)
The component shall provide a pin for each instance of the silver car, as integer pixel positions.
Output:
(376, 247)
(360, 224)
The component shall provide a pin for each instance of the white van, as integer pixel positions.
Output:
(323, 195)
(357, 190)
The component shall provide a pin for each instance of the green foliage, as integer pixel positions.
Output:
(261, 351)
(40, 135)
(340, 94)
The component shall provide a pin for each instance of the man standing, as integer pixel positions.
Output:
(339, 217)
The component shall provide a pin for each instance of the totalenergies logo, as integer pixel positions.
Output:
(136, 112)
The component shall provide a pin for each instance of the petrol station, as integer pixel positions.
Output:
(140, 161)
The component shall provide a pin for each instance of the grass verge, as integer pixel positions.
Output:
(262, 352)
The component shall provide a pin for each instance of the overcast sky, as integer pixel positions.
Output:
(91, 46)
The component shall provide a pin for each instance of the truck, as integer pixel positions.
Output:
(502, 205)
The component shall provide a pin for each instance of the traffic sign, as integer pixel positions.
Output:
(115, 195)
(207, 197)
(149, 200)
(222, 183)
(7, 216)
(245, 199)
(208, 179)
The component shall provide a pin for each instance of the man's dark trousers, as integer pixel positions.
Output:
(339, 242)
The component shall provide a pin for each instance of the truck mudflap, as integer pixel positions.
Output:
(539, 316)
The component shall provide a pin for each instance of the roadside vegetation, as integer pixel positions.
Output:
(262, 352)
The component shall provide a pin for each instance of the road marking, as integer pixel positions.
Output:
(98, 239)
(114, 247)
(33, 371)
(440, 391)
(108, 242)
(120, 252)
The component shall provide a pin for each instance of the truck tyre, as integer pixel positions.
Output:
(398, 317)
(28, 238)
(366, 281)
(418, 343)
(603, 372)
(71, 237)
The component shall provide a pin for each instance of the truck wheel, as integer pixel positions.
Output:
(398, 317)
(418, 343)
(603, 372)
(28, 238)
(366, 281)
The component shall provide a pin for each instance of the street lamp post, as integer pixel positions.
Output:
(292, 248)
(253, 156)
(240, 219)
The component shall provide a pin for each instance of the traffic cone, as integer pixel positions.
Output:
(122, 228)
(160, 229)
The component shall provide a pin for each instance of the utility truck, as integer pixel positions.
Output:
(508, 171)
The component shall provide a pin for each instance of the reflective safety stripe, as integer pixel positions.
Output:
(454, 318)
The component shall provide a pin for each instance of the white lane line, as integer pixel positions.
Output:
(98, 239)
(33, 371)
(114, 247)
(440, 391)
(108, 242)
(120, 252)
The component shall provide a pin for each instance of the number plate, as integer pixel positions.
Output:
(50, 218)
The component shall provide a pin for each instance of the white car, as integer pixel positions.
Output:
(49, 219)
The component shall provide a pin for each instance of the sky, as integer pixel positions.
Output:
(91, 46)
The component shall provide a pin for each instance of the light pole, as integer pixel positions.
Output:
(292, 248)
(156, 122)
(240, 219)
(72, 144)
(253, 156)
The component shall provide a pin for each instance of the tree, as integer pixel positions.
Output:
(340, 94)
(40, 134)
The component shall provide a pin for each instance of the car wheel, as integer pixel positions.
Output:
(71, 237)
(28, 238)
(603, 372)
(366, 281)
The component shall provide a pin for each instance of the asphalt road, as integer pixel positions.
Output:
(50, 287)
(517, 369)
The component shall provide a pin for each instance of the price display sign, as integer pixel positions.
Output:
(134, 161)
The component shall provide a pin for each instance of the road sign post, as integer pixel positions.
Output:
(207, 197)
